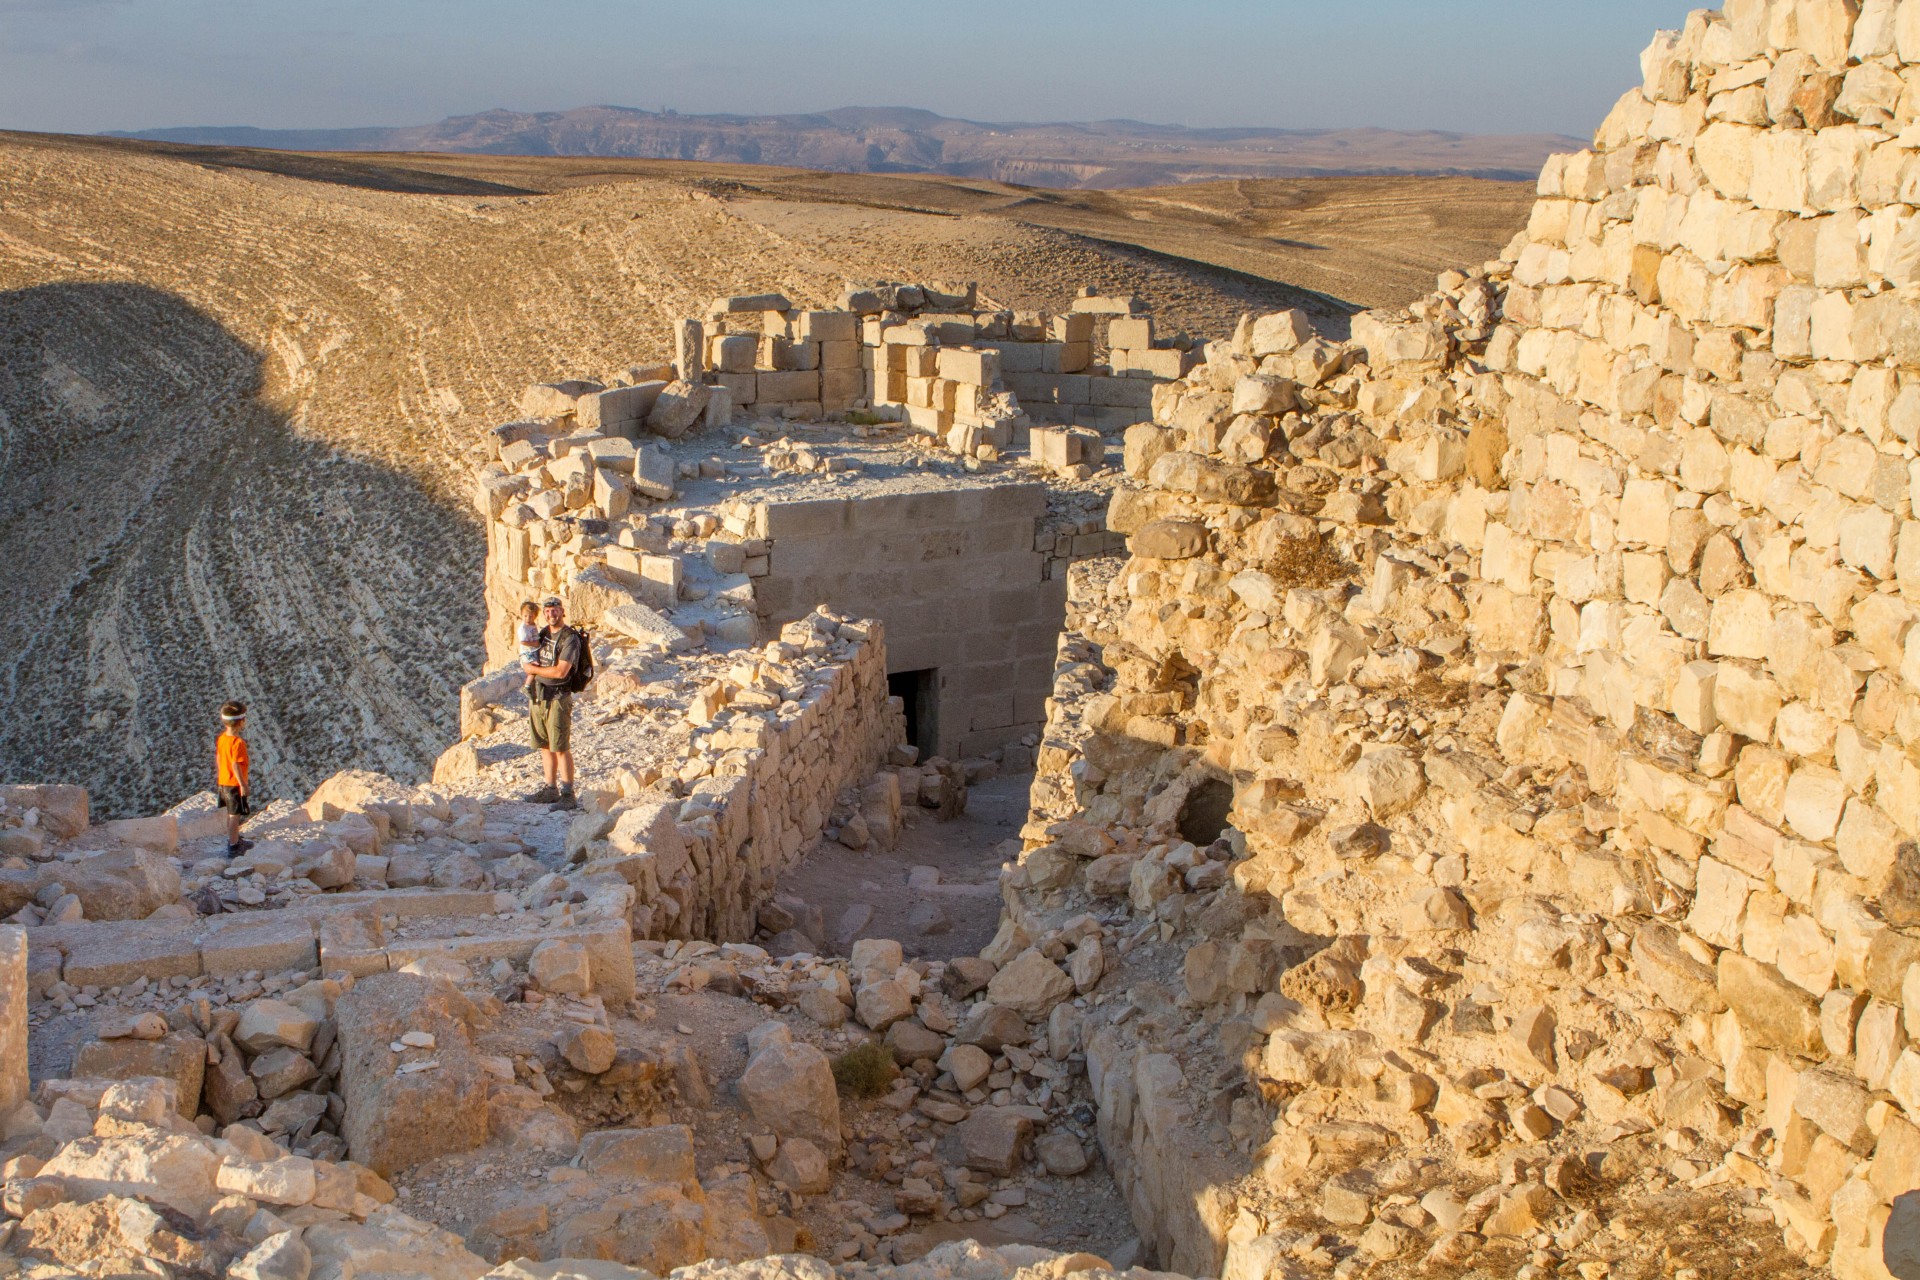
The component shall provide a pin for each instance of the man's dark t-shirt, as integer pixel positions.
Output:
(555, 648)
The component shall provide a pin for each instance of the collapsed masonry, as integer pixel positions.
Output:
(1563, 689)
(1477, 824)
(600, 494)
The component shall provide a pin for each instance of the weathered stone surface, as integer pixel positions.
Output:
(167, 1169)
(62, 808)
(664, 1153)
(1388, 781)
(267, 1023)
(1030, 985)
(1170, 539)
(789, 1089)
(121, 885)
(1676, 976)
(882, 1003)
(14, 994)
(802, 1166)
(588, 1049)
(179, 1058)
(393, 1120)
(1779, 1014)
(561, 967)
(992, 1141)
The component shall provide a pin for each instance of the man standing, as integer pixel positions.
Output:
(550, 704)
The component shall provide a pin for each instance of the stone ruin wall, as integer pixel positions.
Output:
(1552, 641)
(584, 497)
(1621, 664)
(937, 357)
(761, 781)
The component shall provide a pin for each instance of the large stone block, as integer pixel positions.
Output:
(62, 809)
(179, 1058)
(108, 956)
(14, 994)
(396, 1120)
(1777, 1013)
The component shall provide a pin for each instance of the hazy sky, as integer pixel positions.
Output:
(1485, 66)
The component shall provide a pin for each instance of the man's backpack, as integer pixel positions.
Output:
(582, 671)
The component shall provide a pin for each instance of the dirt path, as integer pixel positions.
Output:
(891, 895)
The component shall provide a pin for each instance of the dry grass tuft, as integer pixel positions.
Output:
(866, 1070)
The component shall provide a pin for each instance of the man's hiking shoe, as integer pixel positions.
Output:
(235, 850)
(566, 800)
(545, 795)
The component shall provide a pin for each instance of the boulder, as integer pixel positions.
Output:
(1062, 1154)
(351, 791)
(112, 1235)
(663, 1153)
(1387, 781)
(881, 1004)
(281, 1256)
(561, 966)
(802, 1167)
(789, 1088)
(679, 406)
(1777, 1013)
(991, 1141)
(911, 1042)
(126, 884)
(1030, 985)
(394, 1121)
(1169, 540)
(165, 1168)
(994, 1026)
(62, 809)
(587, 1049)
(968, 1064)
(265, 1024)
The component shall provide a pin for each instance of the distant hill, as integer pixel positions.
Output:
(1096, 154)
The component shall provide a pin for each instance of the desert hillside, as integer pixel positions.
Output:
(238, 391)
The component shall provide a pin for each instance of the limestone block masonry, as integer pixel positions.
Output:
(956, 574)
(1570, 616)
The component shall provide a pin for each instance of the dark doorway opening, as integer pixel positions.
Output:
(919, 691)
(1203, 818)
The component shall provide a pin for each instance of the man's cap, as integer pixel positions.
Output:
(552, 602)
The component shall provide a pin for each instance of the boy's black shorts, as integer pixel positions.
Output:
(234, 803)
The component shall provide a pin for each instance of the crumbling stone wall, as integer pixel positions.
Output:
(1557, 632)
(938, 357)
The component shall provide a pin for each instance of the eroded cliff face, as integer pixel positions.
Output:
(1551, 642)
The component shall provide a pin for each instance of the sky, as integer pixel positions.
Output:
(1474, 66)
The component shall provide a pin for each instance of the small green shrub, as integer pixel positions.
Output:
(865, 1070)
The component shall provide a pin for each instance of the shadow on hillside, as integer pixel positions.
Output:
(308, 166)
(171, 541)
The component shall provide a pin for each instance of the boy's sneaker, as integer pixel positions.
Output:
(545, 795)
(235, 850)
(566, 800)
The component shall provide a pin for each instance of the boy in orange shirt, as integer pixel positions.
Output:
(231, 771)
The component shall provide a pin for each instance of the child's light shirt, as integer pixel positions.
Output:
(529, 638)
